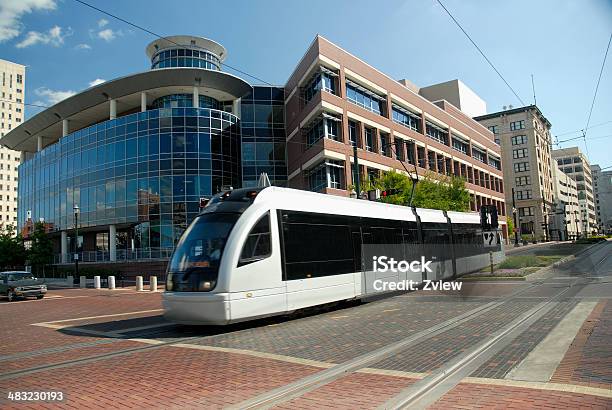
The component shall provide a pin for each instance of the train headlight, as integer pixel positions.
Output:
(169, 283)
(206, 285)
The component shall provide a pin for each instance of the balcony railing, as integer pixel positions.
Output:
(123, 255)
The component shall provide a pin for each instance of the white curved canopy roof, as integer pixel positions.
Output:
(92, 105)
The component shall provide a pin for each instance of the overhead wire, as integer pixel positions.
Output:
(480, 51)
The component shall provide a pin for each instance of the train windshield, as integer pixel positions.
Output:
(201, 246)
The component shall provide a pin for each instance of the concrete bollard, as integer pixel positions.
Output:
(111, 282)
(153, 283)
(139, 283)
(97, 282)
(70, 281)
(83, 282)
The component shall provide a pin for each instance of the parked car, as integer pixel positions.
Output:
(21, 284)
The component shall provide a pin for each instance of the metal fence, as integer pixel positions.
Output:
(123, 255)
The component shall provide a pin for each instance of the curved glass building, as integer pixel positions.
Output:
(136, 154)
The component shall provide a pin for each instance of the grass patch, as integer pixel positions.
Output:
(516, 262)
(528, 261)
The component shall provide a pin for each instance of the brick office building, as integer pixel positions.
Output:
(335, 100)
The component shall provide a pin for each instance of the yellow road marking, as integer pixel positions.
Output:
(289, 359)
(52, 322)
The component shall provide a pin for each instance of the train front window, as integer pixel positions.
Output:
(257, 245)
(195, 263)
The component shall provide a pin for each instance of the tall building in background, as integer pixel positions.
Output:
(575, 164)
(525, 140)
(458, 94)
(335, 102)
(11, 115)
(602, 186)
(565, 222)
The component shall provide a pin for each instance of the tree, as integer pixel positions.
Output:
(510, 224)
(12, 251)
(431, 191)
(41, 249)
(394, 180)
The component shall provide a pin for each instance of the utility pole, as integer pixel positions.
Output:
(516, 239)
(356, 176)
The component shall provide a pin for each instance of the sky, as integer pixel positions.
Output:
(68, 47)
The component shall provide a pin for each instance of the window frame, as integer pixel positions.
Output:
(256, 258)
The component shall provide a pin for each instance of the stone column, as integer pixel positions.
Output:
(112, 243)
(113, 109)
(39, 143)
(143, 101)
(65, 129)
(236, 107)
(196, 97)
(64, 246)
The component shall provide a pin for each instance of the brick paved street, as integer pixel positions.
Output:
(106, 348)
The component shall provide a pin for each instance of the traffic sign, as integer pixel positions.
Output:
(490, 239)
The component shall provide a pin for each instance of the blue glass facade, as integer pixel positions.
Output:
(143, 172)
(263, 136)
(185, 101)
(185, 57)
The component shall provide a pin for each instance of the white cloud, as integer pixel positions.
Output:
(96, 82)
(11, 12)
(102, 22)
(54, 37)
(109, 34)
(53, 96)
(82, 46)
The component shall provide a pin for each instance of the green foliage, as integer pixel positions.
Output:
(394, 180)
(515, 262)
(12, 250)
(510, 224)
(432, 191)
(41, 249)
(525, 261)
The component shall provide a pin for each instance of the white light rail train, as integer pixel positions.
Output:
(260, 252)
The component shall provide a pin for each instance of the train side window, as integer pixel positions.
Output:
(258, 243)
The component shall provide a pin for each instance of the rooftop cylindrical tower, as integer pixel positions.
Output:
(186, 51)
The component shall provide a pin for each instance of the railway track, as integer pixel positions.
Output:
(429, 389)
(419, 394)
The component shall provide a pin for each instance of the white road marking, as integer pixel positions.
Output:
(541, 363)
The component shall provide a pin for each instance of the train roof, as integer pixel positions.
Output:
(307, 201)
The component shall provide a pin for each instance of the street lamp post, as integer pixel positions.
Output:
(516, 235)
(576, 224)
(76, 240)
